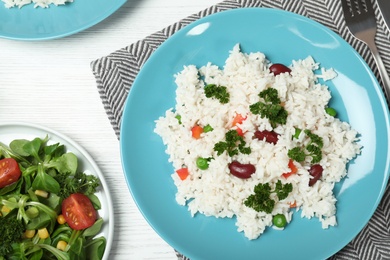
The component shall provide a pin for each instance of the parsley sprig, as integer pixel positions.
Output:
(270, 95)
(312, 149)
(261, 200)
(233, 145)
(217, 92)
(78, 183)
(271, 108)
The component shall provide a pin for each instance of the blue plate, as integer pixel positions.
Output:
(29, 23)
(283, 37)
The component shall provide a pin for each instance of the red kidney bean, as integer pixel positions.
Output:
(269, 136)
(243, 171)
(316, 172)
(278, 68)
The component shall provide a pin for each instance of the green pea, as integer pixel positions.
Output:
(202, 163)
(32, 212)
(207, 128)
(279, 220)
(331, 111)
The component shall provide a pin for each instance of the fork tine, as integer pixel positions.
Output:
(365, 6)
(369, 6)
(355, 6)
(360, 6)
(346, 9)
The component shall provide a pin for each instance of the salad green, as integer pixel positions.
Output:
(31, 206)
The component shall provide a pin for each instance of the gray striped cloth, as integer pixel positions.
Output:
(116, 72)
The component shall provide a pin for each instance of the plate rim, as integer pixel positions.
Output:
(96, 170)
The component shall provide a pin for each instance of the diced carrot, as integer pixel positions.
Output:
(196, 131)
(238, 119)
(293, 169)
(183, 173)
(292, 166)
(293, 204)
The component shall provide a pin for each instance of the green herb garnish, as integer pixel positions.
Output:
(178, 117)
(281, 190)
(261, 200)
(79, 183)
(270, 108)
(270, 95)
(331, 111)
(207, 128)
(297, 133)
(312, 149)
(233, 145)
(217, 92)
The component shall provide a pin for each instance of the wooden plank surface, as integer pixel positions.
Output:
(50, 83)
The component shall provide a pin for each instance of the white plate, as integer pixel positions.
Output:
(18, 130)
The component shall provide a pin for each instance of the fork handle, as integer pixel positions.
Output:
(382, 69)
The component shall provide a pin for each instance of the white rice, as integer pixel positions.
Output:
(37, 3)
(216, 192)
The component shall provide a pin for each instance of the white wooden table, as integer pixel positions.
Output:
(50, 83)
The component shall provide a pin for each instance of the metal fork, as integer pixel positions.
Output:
(361, 22)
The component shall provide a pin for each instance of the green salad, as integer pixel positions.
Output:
(48, 208)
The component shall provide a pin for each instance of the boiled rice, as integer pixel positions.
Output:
(37, 3)
(215, 192)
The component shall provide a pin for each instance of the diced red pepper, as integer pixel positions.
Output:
(183, 173)
(239, 131)
(293, 169)
(238, 119)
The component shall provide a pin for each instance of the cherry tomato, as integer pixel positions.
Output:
(269, 136)
(278, 68)
(9, 172)
(78, 211)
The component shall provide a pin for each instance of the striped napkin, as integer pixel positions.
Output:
(116, 72)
